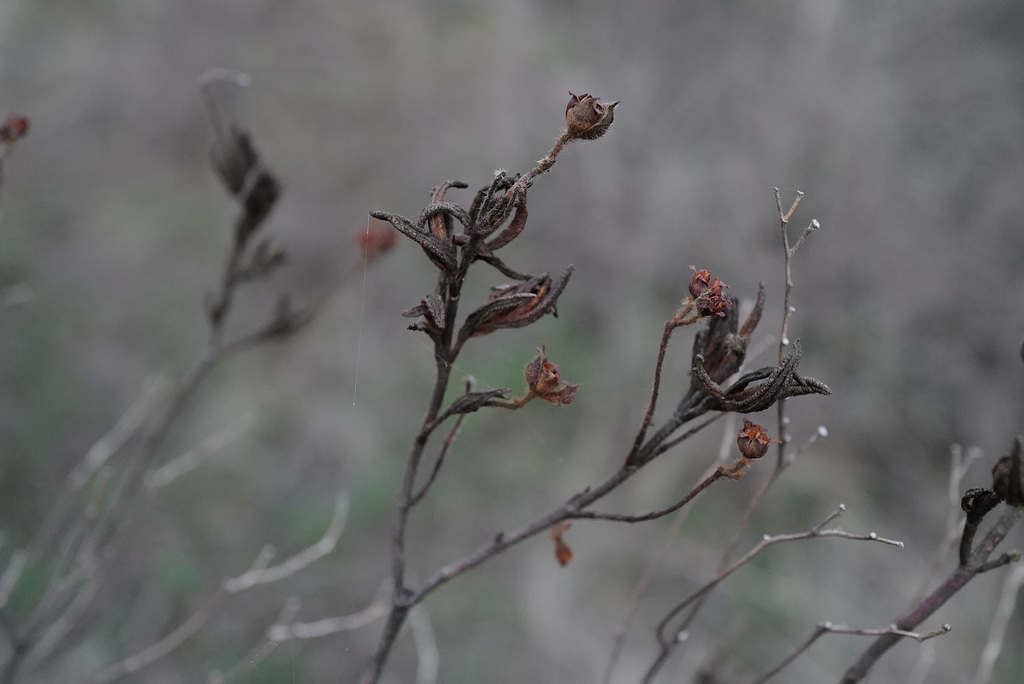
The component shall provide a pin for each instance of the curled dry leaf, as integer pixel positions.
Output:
(563, 554)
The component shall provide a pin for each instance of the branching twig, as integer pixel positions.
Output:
(829, 628)
(668, 643)
(287, 630)
(195, 457)
(977, 563)
(1004, 610)
(288, 612)
(259, 574)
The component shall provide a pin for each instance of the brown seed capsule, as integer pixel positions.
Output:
(587, 118)
(544, 380)
(753, 440)
(700, 281)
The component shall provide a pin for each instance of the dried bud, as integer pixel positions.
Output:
(706, 298)
(708, 295)
(377, 239)
(544, 380)
(1008, 475)
(753, 440)
(13, 128)
(700, 281)
(976, 503)
(587, 118)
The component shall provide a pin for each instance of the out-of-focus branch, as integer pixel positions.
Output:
(1004, 610)
(257, 575)
(286, 630)
(960, 463)
(200, 454)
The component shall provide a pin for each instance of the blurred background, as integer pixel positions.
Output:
(902, 123)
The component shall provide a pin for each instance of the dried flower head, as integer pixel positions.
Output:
(14, 127)
(544, 380)
(706, 298)
(753, 440)
(587, 118)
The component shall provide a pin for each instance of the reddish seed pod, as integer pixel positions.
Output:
(753, 440)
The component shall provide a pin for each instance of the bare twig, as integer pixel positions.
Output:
(1004, 610)
(719, 473)
(977, 563)
(377, 609)
(925, 660)
(440, 459)
(299, 561)
(641, 588)
(205, 450)
(154, 392)
(748, 514)
(829, 628)
(257, 575)
(670, 326)
(960, 463)
(427, 656)
(668, 643)
(11, 574)
(260, 651)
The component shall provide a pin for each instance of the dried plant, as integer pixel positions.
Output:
(118, 473)
(719, 384)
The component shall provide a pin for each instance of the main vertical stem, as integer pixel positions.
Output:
(402, 596)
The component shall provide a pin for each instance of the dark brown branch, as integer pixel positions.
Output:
(977, 563)
(670, 326)
(719, 473)
(438, 463)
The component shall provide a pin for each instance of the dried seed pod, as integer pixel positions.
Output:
(587, 118)
(545, 381)
(753, 440)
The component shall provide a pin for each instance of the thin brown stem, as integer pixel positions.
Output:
(719, 473)
(670, 326)
(418, 496)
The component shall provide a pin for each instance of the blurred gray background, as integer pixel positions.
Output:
(902, 123)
